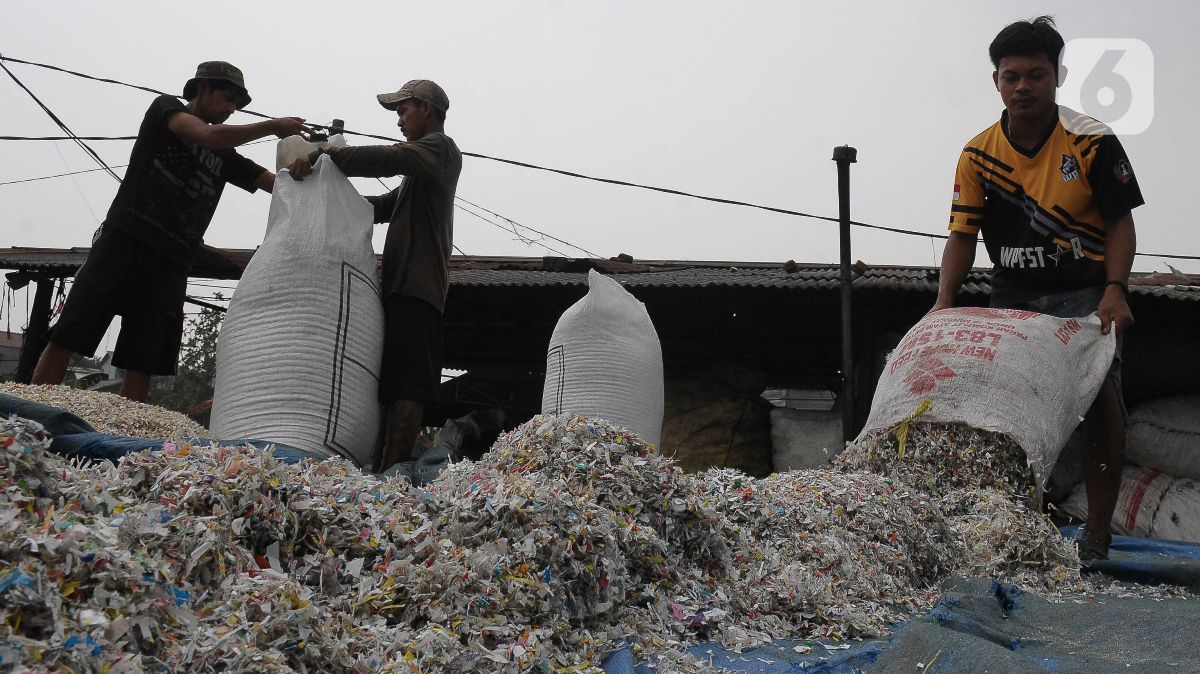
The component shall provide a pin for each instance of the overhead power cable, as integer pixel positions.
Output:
(108, 81)
(201, 303)
(59, 175)
(93, 170)
(68, 137)
(86, 148)
(515, 224)
(512, 230)
(582, 176)
(572, 174)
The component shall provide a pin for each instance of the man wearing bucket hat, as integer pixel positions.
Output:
(141, 255)
(416, 253)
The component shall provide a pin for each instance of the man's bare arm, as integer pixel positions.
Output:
(957, 258)
(1120, 243)
(265, 181)
(226, 136)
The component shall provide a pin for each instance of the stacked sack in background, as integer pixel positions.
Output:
(1160, 492)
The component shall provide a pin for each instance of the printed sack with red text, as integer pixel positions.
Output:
(1028, 375)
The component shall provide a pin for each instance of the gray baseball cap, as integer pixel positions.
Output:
(218, 70)
(422, 90)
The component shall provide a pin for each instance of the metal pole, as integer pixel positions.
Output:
(35, 332)
(845, 155)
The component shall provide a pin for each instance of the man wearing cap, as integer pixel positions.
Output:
(141, 255)
(416, 253)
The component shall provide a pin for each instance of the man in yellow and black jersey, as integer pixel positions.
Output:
(1052, 191)
(1044, 211)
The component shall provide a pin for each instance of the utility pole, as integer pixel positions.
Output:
(845, 155)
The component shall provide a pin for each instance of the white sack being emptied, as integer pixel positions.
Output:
(299, 353)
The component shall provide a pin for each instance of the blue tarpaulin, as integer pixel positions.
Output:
(72, 436)
(983, 626)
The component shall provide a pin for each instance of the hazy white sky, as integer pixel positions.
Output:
(737, 100)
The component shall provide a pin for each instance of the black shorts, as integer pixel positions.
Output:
(124, 277)
(412, 350)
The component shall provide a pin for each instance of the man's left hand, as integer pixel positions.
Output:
(1114, 311)
(301, 168)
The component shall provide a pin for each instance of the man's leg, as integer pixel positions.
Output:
(403, 425)
(135, 386)
(1103, 435)
(51, 367)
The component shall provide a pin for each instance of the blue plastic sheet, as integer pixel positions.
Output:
(780, 657)
(55, 420)
(980, 625)
(1150, 561)
(72, 436)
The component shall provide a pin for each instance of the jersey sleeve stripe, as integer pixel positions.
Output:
(994, 174)
(999, 164)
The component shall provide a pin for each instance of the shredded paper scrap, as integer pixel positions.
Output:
(570, 539)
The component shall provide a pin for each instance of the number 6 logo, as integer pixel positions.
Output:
(1111, 80)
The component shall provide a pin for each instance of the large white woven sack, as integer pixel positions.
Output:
(1138, 502)
(605, 361)
(299, 352)
(1026, 374)
(1164, 434)
(1178, 516)
(1150, 505)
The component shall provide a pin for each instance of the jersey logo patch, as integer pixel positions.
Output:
(956, 192)
(1069, 168)
(1123, 171)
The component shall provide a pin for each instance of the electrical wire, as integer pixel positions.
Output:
(68, 137)
(520, 237)
(59, 175)
(93, 170)
(86, 148)
(107, 80)
(517, 224)
(389, 189)
(572, 174)
(201, 303)
(209, 285)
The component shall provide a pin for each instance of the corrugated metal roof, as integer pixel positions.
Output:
(42, 259)
(222, 263)
(686, 276)
(479, 271)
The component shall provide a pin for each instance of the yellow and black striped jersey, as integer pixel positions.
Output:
(1043, 212)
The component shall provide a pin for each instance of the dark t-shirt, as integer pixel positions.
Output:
(172, 186)
(416, 253)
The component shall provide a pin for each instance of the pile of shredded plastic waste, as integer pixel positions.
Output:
(569, 539)
(935, 457)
